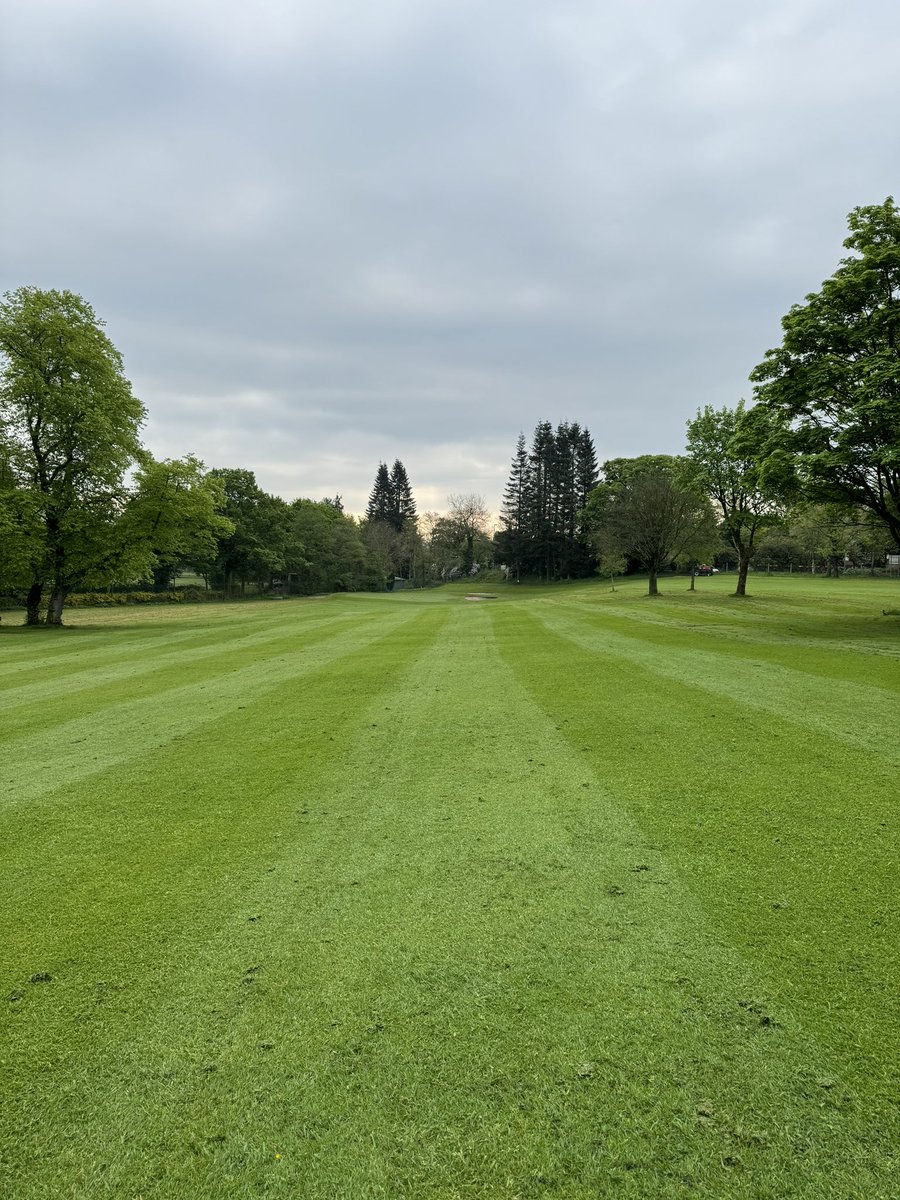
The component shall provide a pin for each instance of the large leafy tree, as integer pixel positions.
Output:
(262, 541)
(724, 448)
(466, 524)
(459, 541)
(21, 533)
(835, 379)
(335, 557)
(68, 436)
(648, 510)
(175, 513)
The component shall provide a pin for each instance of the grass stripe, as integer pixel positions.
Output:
(148, 655)
(830, 708)
(792, 842)
(82, 747)
(474, 909)
(461, 984)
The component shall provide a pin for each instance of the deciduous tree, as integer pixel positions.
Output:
(464, 531)
(835, 379)
(651, 516)
(725, 456)
(262, 541)
(335, 557)
(174, 513)
(68, 435)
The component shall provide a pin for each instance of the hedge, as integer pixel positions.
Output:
(111, 599)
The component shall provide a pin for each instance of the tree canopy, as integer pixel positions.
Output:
(68, 435)
(835, 379)
(647, 510)
(724, 454)
(81, 502)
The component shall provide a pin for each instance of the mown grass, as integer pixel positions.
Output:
(567, 894)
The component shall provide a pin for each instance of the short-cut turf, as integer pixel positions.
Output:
(573, 894)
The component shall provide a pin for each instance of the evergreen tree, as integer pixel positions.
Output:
(565, 499)
(391, 532)
(586, 478)
(403, 505)
(539, 523)
(391, 499)
(381, 500)
(511, 540)
(546, 492)
(586, 471)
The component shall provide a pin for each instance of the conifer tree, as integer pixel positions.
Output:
(391, 499)
(515, 509)
(546, 491)
(586, 469)
(403, 505)
(540, 509)
(381, 500)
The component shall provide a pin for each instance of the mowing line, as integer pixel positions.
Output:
(145, 655)
(470, 974)
(45, 764)
(830, 708)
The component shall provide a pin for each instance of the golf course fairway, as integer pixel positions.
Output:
(569, 893)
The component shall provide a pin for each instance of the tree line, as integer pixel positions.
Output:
(812, 466)
(84, 506)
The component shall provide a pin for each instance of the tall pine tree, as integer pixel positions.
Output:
(404, 506)
(512, 538)
(391, 499)
(381, 500)
(547, 490)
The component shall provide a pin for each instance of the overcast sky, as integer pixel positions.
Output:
(326, 233)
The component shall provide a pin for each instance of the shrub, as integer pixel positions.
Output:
(111, 599)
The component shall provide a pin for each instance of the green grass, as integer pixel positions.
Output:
(567, 894)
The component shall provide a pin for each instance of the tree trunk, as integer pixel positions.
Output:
(692, 588)
(55, 610)
(33, 604)
(743, 568)
(652, 589)
(469, 553)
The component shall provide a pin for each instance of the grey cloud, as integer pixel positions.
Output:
(328, 234)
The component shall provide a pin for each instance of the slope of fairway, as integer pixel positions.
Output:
(572, 894)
